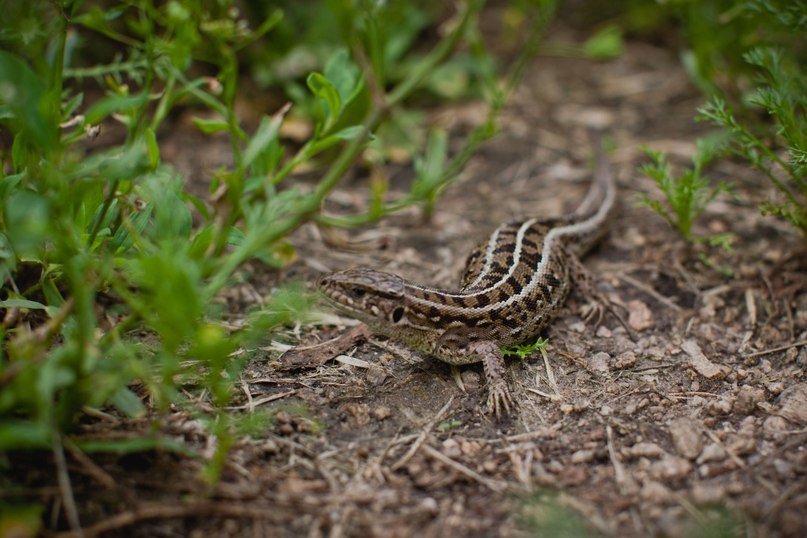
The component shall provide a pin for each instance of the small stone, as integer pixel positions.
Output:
(376, 376)
(671, 468)
(471, 380)
(705, 494)
(451, 448)
(606, 411)
(742, 446)
(700, 363)
(625, 360)
(783, 468)
(644, 450)
(721, 406)
(584, 456)
(578, 327)
(604, 332)
(470, 448)
(599, 362)
(655, 492)
(285, 429)
(640, 317)
(381, 412)
(429, 505)
(747, 399)
(774, 425)
(686, 436)
(793, 404)
(489, 466)
(712, 452)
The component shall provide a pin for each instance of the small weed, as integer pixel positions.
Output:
(686, 196)
(544, 514)
(449, 425)
(524, 351)
(781, 92)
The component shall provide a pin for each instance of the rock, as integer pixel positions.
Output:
(712, 452)
(451, 448)
(705, 494)
(774, 426)
(700, 363)
(793, 404)
(671, 468)
(655, 492)
(747, 399)
(599, 362)
(381, 412)
(584, 456)
(644, 450)
(686, 437)
(640, 317)
(625, 360)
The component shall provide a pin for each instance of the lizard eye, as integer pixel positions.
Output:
(397, 314)
(358, 293)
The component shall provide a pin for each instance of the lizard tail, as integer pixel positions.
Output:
(602, 193)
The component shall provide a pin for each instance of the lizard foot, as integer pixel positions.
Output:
(499, 400)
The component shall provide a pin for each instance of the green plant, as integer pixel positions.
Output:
(522, 351)
(782, 92)
(687, 195)
(746, 57)
(99, 246)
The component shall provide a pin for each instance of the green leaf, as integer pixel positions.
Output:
(127, 403)
(264, 137)
(210, 126)
(23, 434)
(112, 104)
(22, 303)
(117, 163)
(344, 75)
(137, 444)
(152, 149)
(27, 221)
(322, 88)
(605, 44)
(354, 131)
(24, 95)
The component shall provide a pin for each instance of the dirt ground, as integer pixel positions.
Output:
(696, 429)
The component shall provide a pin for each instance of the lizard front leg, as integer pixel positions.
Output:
(456, 348)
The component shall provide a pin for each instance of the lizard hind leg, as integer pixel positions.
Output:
(598, 302)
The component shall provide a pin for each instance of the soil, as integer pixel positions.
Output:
(697, 428)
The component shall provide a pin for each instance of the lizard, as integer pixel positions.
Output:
(513, 285)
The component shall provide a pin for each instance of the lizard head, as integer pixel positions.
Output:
(366, 294)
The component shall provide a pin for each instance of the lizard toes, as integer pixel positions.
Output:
(499, 401)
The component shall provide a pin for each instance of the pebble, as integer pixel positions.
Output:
(382, 411)
(584, 456)
(655, 492)
(640, 317)
(721, 406)
(707, 494)
(451, 448)
(712, 452)
(671, 468)
(686, 437)
(644, 450)
(793, 404)
(774, 425)
(747, 399)
(599, 362)
(700, 363)
(625, 360)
